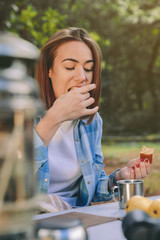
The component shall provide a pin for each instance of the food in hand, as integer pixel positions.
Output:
(154, 209)
(147, 153)
(138, 202)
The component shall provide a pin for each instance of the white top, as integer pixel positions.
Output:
(64, 168)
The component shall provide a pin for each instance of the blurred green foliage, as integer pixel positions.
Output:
(128, 33)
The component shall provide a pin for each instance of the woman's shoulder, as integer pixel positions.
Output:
(97, 119)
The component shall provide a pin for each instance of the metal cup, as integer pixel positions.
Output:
(127, 189)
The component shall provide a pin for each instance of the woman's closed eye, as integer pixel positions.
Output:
(88, 69)
(70, 68)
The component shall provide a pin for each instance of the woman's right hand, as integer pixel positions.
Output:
(73, 104)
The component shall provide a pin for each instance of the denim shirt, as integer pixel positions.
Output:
(94, 182)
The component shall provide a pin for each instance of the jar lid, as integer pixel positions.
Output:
(13, 46)
(18, 88)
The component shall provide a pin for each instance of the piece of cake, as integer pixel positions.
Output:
(147, 153)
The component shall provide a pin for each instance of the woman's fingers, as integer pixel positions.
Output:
(87, 88)
(82, 95)
(84, 100)
(137, 171)
(147, 165)
(143, 168)
(86, 96)
(133, 162)
(90, 111)
(73, 105)
(132, 172)
(88, 102)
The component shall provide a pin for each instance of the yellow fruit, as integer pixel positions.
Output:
(138, 202)
(154, 209)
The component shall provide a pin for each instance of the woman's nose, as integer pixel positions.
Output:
(80, 75)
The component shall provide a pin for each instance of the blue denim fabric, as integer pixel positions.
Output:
(94, 182)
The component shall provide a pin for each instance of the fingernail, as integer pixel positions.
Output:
(137, 165)
(146, 160)
(133, 167)
(141, 159)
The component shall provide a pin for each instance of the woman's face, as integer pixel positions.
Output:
(73, 67)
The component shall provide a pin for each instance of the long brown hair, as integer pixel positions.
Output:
(46, 61)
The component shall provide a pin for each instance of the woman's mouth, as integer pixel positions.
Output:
(72, 88)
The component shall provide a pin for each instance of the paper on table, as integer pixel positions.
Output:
(88, 220)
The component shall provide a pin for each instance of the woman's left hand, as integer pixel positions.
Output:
(135, 169)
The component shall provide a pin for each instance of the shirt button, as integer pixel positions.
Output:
(77, 140)
(88, 182)
(45, 179)
(82, 161)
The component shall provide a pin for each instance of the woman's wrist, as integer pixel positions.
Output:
(47, 127)
(118, 176)
(52, 118)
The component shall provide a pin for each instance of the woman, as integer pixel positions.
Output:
(68, 137)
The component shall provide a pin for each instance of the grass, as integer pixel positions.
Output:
(116, 155)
